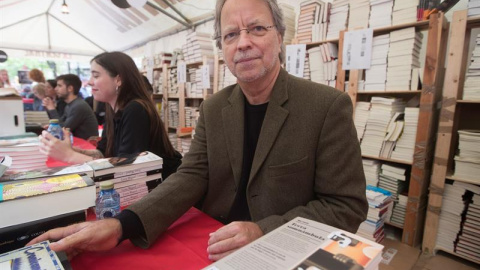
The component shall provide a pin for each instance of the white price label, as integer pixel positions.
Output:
(205, 76)
(182, 72)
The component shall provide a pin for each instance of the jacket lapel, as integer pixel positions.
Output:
(273, 122)
(233, 124)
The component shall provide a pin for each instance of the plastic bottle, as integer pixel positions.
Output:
(55, 129)
(108, 201)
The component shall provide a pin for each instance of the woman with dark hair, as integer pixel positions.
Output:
(132, 123)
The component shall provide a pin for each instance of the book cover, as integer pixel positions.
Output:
(38, 256)
(47, 172)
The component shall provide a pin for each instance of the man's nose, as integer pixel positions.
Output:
(244, 40)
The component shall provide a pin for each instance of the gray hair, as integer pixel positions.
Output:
(277, 20)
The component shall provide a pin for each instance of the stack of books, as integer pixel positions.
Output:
(157, 82)
(468, 238)
(173, 114)
(473, 8)
(404, 11)
(159, 60)
(467, 162)
(379, 203)
(359, 14)
(394, 129)
(381, 13)
(29, 207)
(376, 76)
(381, 112)
(190, 116)
(471, 90)
(308, 19)
(226, 77)
(338, 18)
(172, 85)
(323, 63)
(289, 20)
(36, 117)
(371, 168)
(403, 59)
(133, 176)
(306, 66)
(393, 179)
(449, 223)
(362, 110)
(198, 45)
(24, 151)
(399, 211)
(405, 146)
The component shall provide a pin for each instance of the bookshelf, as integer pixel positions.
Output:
(437, 30)
(456, 114)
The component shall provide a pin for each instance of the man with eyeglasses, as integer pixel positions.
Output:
(267, 149)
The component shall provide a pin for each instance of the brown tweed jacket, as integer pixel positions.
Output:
(307, 162)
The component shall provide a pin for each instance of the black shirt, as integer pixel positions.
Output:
(254, 115)
(132, 135)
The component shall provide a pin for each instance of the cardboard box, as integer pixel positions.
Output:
(12, 121)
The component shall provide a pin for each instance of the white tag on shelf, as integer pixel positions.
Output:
(182, 72)
(357, 49)
(150, 64)
(295, 59)
(205, 76)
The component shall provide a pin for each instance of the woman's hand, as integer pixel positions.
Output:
(58, 149)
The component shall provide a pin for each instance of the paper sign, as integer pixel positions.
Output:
(205, 77)
(295, 61)
(181, 72)
(357, 49)
(150, 64)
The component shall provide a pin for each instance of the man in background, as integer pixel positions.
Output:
(78, 116)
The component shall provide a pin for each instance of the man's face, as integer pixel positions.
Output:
(61, 89)
(50, 91)
(3, 76)
(249, 57)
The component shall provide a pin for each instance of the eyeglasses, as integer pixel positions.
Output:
(256, 30)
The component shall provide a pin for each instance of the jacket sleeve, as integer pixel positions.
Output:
(339, 186)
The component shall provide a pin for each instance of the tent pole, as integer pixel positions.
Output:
(169, 15)
(176, 11)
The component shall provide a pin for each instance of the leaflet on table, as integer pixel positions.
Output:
(38, 256)
(304, 244)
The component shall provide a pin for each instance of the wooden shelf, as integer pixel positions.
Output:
(468, 101)
(193, 97)
(469, 181)
(157, 96)
(400, 92)
(388, 160)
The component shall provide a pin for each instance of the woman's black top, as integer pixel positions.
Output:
(132, 135)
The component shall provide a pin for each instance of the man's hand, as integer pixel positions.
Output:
(55, 148)
(231, 237)
(48, 103)
(99, 235)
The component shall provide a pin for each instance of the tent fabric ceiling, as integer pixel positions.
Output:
(92, 26)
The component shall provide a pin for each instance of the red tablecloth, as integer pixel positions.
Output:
(183, 246)
(78, 142)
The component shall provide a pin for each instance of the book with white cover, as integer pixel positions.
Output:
(302, 244)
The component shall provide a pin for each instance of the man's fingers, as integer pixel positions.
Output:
(225, 232)
(216, 257)
(58, 233)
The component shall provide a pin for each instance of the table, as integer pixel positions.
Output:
(183, 246)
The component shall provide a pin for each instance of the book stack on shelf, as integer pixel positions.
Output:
(394, 129)
(306, 66)
(371, 169)
(362, 111)
(405, 145)
(172, 85)
(181, 144)
(198, 45)
(225, 77)
(399, 211)
(471, 91)
(133, 176)
(193, 86)
(36, 117)
(473, 8)
(157, 82)
(309, 18)
(190, 116)
(381, 112)
(161, 58)
(173, 113)
(404, 11)
(394, 179)
(403, 69)
(380, 13)
(289, 19)
(359, 14)
(24, 151)
(376, 76)
(338, 18)
(449, 224)
(379, 203)
(468, 238)
(323, 63)
(467, 161)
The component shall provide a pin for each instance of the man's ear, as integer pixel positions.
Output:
(70, 89)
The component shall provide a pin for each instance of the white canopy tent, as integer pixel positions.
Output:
(94, 26)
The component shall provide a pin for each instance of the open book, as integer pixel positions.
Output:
(303, 244)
